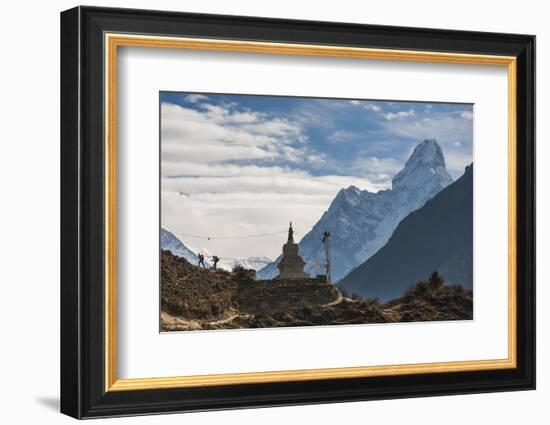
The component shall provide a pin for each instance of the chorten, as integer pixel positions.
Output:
(291, 265)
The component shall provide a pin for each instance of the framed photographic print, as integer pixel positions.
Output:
(261, 212)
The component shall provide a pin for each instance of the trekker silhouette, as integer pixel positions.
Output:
(215, 259)
(201, 261)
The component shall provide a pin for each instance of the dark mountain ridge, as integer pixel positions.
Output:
(438, 236)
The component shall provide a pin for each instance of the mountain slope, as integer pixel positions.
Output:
(438, 236)
(170, 242)
(194, 292)
(361, 222)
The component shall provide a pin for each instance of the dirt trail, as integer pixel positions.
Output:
(174, 321)
(336, 301)
(223, 321)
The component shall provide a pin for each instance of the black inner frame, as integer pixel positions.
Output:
(82, 212)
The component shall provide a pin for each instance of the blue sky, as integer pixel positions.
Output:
(345, 132)
(248, 164)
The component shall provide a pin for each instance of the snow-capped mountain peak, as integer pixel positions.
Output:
(351, 195)
(426, 165)
(361, 222)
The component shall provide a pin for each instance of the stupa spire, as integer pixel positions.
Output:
(290, 234)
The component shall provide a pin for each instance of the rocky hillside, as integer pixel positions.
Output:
(432, 300)
(193, 298)
(195, 293)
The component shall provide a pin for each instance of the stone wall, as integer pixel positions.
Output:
(281, 295)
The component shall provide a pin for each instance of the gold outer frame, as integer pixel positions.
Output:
(113, 41)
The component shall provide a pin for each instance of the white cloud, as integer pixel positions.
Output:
(224, 169)
(457, 161)
(457, 144)
(309, 115)
(241, 213)
(212, 183)
(446, 129)
(398, 115)
(230, 200)
(343, 136)
(194, 98)
(467, 115)
(244, 117)
(222, 133)
(377, 170)
(207, 152)
(373, 107)
(267, 180)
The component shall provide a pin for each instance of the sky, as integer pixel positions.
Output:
(237, 166)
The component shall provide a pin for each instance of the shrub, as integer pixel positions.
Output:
(238, 269)
(355, 296)
(372, 302)
(435, 281)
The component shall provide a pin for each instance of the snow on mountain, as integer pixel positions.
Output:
(425, 167)
(361, 222)
(170, 242)
(253, 263)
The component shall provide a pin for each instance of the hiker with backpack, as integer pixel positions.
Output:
(201, 261)
(215, 260)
